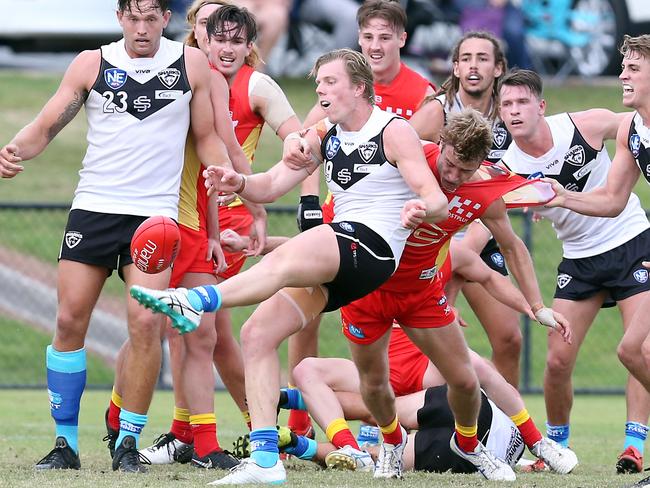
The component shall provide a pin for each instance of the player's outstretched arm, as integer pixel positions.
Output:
(609, 200)
(429, 120)
(470, 266)
(64, 105)
(403, 148)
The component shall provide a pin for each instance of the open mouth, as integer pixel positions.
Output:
(325, 104)
(627, 89)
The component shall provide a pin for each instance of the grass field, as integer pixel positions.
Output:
(597, 428)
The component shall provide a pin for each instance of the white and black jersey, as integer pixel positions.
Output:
(638, 143)
(578, 167)
(501, 138)
(138, 117)
(366, 187)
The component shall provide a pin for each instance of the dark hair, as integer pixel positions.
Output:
(243, 21)
(526, 78)
(389, 10)
(452, 84)
(128, 5)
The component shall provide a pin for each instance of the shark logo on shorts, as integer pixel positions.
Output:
(72, 238)
(497, 258)
(500, 135)
(635, 145)
(346, 226)
(355, 331)
(367, 150)
(641, 275)
(169, 77)
(563, 280)
(332, 147)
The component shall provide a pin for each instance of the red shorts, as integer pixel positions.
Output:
(192, 256)
(240, 220)
(367, 319)
(407, 363)
(328, 209)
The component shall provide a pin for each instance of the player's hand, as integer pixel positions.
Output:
(296, 152)
(225, 199)
(461, 320)
(9, 160)
(222, 179)
(216, 253)
(309, 213)
(231, 241)
(560, 193)
(413, 213)
(554, 320)
(257, 237)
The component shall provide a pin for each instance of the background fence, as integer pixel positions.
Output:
(30, 236)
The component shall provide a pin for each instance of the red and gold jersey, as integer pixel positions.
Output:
(404, 94)
(426, 248)
(193, 197)
(247, 124)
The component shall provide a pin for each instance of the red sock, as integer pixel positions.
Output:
(205, 439)
(114, 415)
(530, 432)
(392, 433)
(466, 443)
(344, 438)
(299, 421)
(182, 431)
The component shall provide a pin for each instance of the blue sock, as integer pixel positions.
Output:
(294, 399)
(206, 298)
(635, 435)
(306, 448)
(558, 433)
(264, 446)
(66, 380)
(131, 424)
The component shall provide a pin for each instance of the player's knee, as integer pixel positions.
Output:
(70, 326)
(465, 384)
(629, 352)
(509, 344)
(559, 365)
(305, 372)
(255, 337)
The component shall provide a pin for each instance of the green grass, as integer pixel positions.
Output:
(28, 434)
(23, 356)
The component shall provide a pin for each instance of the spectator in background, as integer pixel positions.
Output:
(337, 15)
(501, 18)
(272, 18)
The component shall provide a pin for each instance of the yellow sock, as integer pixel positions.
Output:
(116, 398)
(520, 417)
(181, 414)
(390, 428)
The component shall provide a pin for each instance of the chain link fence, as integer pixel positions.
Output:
(30, 238)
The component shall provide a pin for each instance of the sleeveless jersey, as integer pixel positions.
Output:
(404, 94)
(639, 145)
(193, 195)
(138, 117)
(366, 187)
(426, 248)
(247, 124)
(501, 138)
(578, 167)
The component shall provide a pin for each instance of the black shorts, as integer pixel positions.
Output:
(492, 256)
(100, 239)
(436, 426)
(618, 271)
(366, 261)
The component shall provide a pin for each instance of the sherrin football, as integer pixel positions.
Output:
(155, 244)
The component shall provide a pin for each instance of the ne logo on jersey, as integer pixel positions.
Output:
(332, 147)
(499, 135)
(563, 280)
(575, 156)
(367, 150)
(462, 209)
(641, 275)
(635, 145)
(115, 78)
(169, 77)
(536, 175)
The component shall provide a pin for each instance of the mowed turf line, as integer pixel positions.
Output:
(27, 435)
(52, 177)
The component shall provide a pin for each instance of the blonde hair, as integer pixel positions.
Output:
(252, 60)
(356, 66)
(639, 45)
(469, 134)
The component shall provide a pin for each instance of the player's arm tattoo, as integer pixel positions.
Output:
(68, 113)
